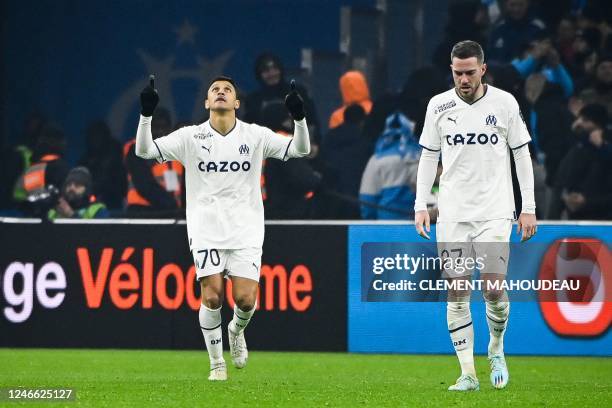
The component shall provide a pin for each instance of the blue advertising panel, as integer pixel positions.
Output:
(402, 324)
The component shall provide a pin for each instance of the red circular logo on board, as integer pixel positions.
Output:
(585, 312)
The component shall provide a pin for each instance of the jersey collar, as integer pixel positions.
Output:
(486, 88)
(219, 133)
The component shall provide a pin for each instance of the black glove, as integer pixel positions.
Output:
(149, 98)
(295, 103)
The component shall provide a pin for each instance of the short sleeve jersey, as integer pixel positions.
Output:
(222, 178)
(475, 140)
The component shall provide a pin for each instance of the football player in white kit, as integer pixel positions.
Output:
(475, 127)
(225, 215)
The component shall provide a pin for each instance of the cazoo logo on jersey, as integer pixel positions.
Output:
(471, 139)
(223, 166)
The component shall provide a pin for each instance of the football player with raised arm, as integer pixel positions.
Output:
(225, 214)
(476, 128)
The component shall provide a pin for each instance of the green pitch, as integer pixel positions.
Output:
(109, 378)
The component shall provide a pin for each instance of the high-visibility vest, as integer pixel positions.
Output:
(86, 213)
(19, 194)
(33, 180)
(158, 170)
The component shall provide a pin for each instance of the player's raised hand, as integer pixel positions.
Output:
(420, 218)
(527, 225)
(149, 98)
(295, 103)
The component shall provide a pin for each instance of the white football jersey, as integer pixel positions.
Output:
(222, 177)
(475, 140)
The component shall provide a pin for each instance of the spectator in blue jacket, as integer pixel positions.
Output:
(542, 57)
(390, 175)
(515, 31)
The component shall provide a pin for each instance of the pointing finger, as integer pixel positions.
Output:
(152, 81)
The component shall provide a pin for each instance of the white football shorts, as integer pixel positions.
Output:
(482, 245)
(243, 263)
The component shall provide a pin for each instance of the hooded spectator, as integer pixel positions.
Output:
(270, 74)
(354, 90)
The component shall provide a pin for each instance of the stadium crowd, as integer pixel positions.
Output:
(555, 57)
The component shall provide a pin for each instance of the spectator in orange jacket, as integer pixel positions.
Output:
(354, 89)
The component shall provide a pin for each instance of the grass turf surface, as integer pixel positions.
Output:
(178, 378)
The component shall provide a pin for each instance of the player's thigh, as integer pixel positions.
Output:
(212, 289)
(244, 292)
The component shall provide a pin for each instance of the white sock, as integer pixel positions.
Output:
(210, 323)
(241, 319)
(459, 320)
(497, 320)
